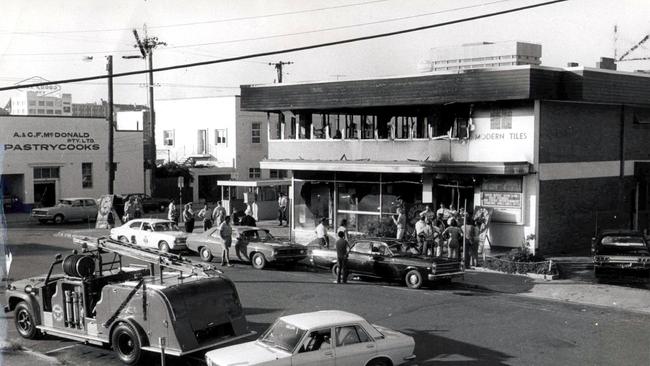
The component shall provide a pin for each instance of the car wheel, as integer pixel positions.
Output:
(413, 279)
(163, 247)
(206, 254)
(258, 261)
(24, 320)
(335, 270)
(58, 219)
(126, 344)
(379, 362)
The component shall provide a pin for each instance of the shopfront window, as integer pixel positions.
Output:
(313, 201)
(359, 204)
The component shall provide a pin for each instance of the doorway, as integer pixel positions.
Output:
(44, 194)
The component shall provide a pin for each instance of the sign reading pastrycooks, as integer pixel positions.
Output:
(51, 141)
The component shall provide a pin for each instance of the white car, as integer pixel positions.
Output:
(324, 338)
(155, 233)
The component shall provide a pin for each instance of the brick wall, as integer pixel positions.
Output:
(571, 210)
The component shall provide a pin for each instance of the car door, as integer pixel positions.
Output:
(315, 349)
(353, 345)
(215, 243)
(360, 259)
(133, 232)
(90, 208)
(146, 235)
(77, 211)
(382, 262)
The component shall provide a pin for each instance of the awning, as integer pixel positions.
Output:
(254, 183)
(422, 167)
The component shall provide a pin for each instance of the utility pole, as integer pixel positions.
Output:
(111, 124)
(278, 68)
(146, 47)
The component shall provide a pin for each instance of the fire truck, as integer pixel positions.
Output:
(184, 308)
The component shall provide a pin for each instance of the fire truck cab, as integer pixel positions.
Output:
(185, 308)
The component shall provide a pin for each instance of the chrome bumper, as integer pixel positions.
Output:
(433, 277)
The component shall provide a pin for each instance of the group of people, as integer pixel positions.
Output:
(132, 209)
(210, 216)
(440, 232)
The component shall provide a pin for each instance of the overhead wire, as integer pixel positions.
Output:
(294, 49)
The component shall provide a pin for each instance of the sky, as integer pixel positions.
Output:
(50, 39)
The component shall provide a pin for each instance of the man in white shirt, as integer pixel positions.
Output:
(420, 228)
(321, 233)
(282, 208)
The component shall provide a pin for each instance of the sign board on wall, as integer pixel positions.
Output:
(505, 197)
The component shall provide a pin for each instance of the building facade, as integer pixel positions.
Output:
(34, 103)
(46, 158)
(215, 138)
(554, 154)
(482, 55)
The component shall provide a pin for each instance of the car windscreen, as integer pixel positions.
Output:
(64, 203)
(165, 226)
(283, 335)
(622, 245)
(257, 235)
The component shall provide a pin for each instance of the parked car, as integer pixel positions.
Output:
(68, 209)
(150, 203)
(155, 233)
(621, 253)
(251, 244)
(382, 258)
(320, 338)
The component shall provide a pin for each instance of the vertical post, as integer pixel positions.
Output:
(111, 124)
(465, 233)
(162, 341)
(152, 117)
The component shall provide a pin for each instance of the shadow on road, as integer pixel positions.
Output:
(497, 282)
(432, 349)
(35, 248)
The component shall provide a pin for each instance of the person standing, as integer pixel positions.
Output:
(225, 231)
(438, 227)
(218, 214)
(321, 233)
(400, 222)
(342, 248)
(138, 209)
(188, 218)
(471, 258)
(344, 229)
(282, 208)
(429, 235)
(454, 236)
(419, 231)
(172, 213)
(129, 209)
(206, 215)
(428, 214)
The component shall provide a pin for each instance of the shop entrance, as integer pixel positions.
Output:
(44, 194)
(454, 193)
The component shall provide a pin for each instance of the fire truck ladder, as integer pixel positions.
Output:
(149, 255)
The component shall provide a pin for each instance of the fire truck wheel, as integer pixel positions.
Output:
(126, 344)
(206, 254)
(413, 279)
(24, 319)
(258, 261)
(163, 246)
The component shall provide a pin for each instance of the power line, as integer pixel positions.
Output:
(349, 26)
(295, 49)
(203, 22)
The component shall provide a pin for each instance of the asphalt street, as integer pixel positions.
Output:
(452, 325)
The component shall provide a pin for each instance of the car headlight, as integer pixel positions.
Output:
(28, 289)
(275, 252)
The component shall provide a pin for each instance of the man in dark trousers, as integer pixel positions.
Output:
(342, 258)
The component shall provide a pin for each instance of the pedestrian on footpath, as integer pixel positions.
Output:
(206, 215)
(188, 217)
(454, 235)
(471, 232)
(138, 208)
(282, 208)
(419, 233)
(225, 231)
(172, 212)
(438, 227)
(129, 209)
(429, 236)
(218, 214)
(342, 248)
(343, 228)
(321, 234)
(400, 222)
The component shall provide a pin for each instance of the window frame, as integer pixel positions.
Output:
(221, 139)
(85, 173)
(256, 132)
(254, 173)
(167, 139)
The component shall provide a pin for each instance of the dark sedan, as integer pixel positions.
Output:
(250, 244)
(382, 258)
(621, 253)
